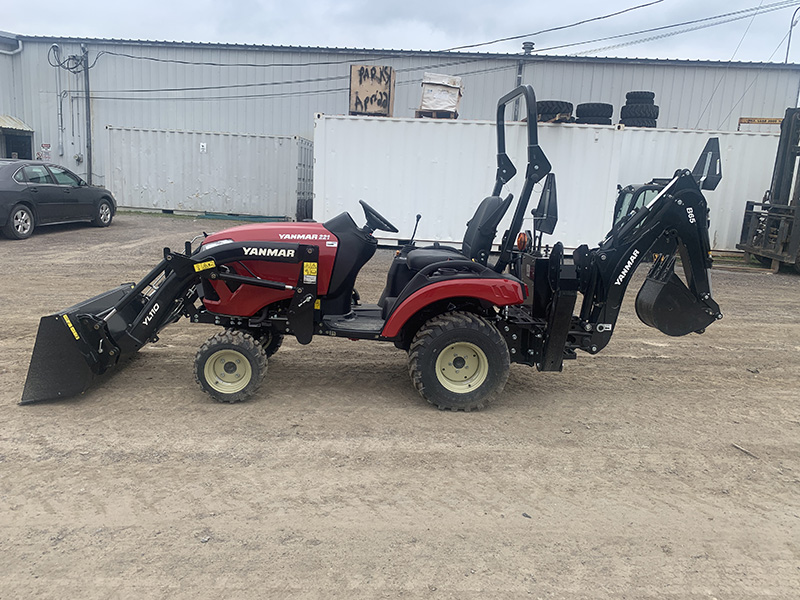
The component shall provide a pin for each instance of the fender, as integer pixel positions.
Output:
(497, 291)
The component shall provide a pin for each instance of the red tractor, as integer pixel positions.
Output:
(462, 315)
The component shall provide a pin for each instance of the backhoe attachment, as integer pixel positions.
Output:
(673, 224)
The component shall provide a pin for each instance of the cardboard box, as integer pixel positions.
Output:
(440, 92)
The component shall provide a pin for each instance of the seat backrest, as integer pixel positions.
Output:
(482, 228)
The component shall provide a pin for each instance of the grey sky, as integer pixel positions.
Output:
(418, 25)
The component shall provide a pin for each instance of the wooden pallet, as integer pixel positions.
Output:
(436, 114)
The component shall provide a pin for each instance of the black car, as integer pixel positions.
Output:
(34, 193)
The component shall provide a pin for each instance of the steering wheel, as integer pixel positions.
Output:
(375, 220)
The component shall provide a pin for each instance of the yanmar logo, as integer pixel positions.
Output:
(269, 252)
(626, 269)
(305, 236)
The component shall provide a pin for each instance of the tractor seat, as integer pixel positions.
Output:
(422, 257)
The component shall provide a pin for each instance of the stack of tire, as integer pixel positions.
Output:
(594, 113)
(640, 110)
(554, 111)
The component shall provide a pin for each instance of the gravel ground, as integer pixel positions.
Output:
(660, 468)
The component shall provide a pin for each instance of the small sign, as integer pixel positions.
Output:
(371, 90)
(203, 148)
(759, 121)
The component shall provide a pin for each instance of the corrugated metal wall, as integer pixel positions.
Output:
(443, 169)
(276, 91)
(689, 97)
(193, 171)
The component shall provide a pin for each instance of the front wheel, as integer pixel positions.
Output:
(230, 366)
(20, 223)
(103, 214)
(271, 341)
(458, 361)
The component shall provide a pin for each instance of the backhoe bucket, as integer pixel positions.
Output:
(72, 347)
(664, 302)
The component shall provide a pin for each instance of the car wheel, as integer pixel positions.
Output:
(20, 223)
(103, 214)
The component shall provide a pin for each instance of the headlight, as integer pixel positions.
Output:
(210, 245)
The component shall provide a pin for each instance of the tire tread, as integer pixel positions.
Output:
(446, 323)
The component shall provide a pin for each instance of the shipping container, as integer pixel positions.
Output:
(261, 175)
(442, 169)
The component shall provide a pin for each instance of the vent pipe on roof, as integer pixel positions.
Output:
(527, 47)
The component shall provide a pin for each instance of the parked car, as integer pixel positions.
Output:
(34, 193)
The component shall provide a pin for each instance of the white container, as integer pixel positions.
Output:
(260, 175)
(442, 169)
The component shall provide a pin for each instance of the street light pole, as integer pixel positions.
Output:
(789, 41)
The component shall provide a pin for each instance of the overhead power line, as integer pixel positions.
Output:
(558, 28)
(706, 22)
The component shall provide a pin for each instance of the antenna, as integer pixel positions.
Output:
(411, 241)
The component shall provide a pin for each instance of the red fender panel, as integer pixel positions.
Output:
(500, 292)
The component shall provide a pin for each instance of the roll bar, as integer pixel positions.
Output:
(537, 169)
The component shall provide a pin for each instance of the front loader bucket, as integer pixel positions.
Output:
(664, 302)
(72, 347)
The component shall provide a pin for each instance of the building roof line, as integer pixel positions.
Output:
(390, 53)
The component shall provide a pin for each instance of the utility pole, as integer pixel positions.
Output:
(85, 60)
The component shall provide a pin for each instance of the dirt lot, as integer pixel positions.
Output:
(661, 468)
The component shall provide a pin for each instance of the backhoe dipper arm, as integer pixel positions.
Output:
(678, 218)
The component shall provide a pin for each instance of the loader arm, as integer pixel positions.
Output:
(676, 220)
(75, 345)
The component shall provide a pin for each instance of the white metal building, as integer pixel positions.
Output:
(143, 93)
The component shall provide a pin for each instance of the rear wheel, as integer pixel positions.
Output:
(458, 361)
(230, 366)
(103, 214)
(20, 223)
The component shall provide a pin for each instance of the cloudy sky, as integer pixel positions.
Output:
(425, 25)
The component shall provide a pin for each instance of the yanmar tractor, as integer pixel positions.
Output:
(462, 315)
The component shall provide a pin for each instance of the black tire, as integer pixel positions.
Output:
(764, 261)
(593, 121)
(230, 366)
(21, 223)
(594, 110)
(271, 341)
(555, 107)
(640, 97)
(103, 214)
(478, 369)
(639, 111)
(638, 122)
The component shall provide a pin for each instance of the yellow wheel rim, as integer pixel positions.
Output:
(462, 367)
(228, 371)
